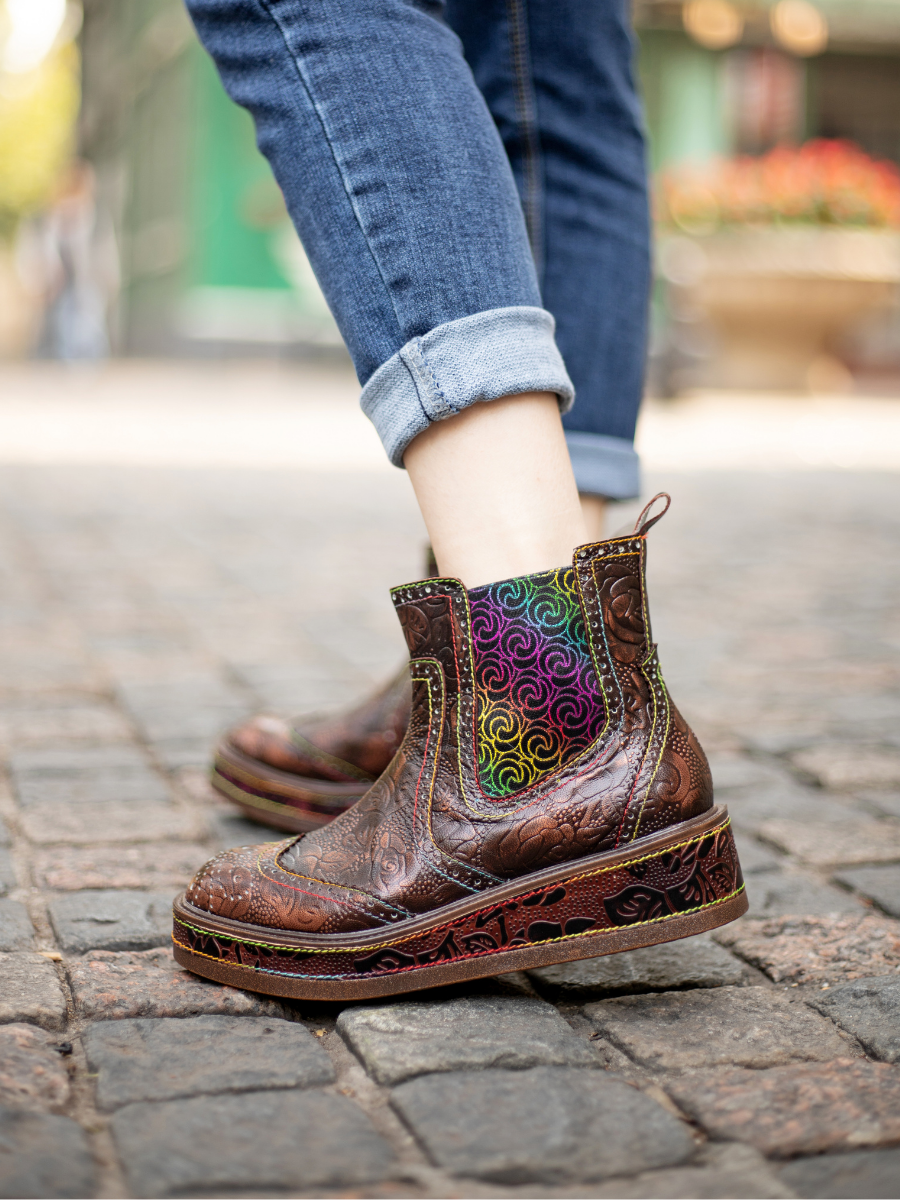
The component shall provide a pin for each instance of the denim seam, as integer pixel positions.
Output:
(265, 5)
(411, 371)
(526, 108)
(423, 372)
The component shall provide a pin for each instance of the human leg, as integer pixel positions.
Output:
(573, 161)
(557, 76)
(496, 491)
(397, 181)
(420, 245)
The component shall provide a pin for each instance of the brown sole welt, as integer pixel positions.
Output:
(670, 885)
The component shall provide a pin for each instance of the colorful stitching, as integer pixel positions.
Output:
(476, 954)
(438, 928)
(414, 592)
(662, 745)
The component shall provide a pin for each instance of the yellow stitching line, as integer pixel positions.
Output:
(275, 784)
(399, 941)
(320, 882)
(252, 801)
(440, 736)
(499, 950)
(459, 763)
(590, 638)
(646, 755)
(359, 891)
(587, 625)
(462, 787)
(438, 740)
(643, 574)
(662, 747)
(305, 745)
(465, 596)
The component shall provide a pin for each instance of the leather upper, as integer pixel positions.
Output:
(354, 745)
(425, 834)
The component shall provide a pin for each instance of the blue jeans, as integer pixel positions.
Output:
(468, 178)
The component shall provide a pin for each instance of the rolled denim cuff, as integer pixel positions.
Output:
(604, 466)
(492, 354)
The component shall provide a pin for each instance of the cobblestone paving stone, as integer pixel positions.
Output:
(397, 1042)
(753, 1027)
(16, 930)
(111, 920)
(33, 1070)
(143, 609)
(881, 884)
(807, 1109)
(870, 1010)
(170, 1059)
(157, 866)
(814, 949)
(858, 1175)
(540, 1125)
(30, 990)
(695, 963)
(45, 1155)
(108, 986)
(255, 1142)
(784, 893)
(7, 871)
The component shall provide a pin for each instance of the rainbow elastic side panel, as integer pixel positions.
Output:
(537, 700)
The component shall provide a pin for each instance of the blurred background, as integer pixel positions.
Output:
(137, 217)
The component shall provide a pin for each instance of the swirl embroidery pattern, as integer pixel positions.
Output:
(538, 703)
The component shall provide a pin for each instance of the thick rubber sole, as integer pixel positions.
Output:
(673, 884)
(278, 798)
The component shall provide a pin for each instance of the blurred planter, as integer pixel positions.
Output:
(779, 300)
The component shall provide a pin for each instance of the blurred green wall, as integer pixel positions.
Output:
(210, 262)
(235, 202)
(683, 96)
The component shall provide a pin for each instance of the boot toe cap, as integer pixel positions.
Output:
(268, 740)
(225, 885)
(247, 884)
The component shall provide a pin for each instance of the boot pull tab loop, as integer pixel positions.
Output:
(645, 522)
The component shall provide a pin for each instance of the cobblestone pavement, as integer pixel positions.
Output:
(143, 608)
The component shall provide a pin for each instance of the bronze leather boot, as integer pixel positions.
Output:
(299, 775)
(548, 803)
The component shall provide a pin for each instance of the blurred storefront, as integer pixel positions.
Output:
(189, 249)
(726, 76)
(810, 290)
(39, 99)
(210, 262)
